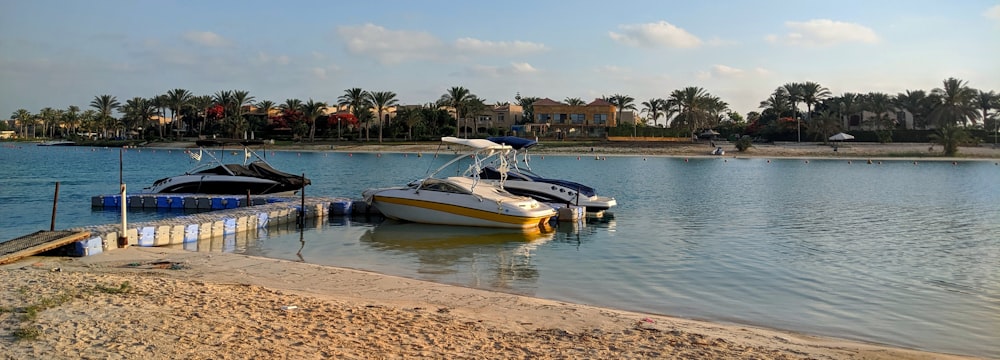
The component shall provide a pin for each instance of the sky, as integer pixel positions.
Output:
(61, 53)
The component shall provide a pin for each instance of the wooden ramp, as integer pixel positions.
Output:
(36, 243)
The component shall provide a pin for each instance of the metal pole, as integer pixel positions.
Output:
(121, 153)
(302, 213)
(55, 200)
(123, 235)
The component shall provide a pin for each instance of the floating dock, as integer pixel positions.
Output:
(220, 217)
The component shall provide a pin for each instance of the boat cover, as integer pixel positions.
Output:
(490, 172)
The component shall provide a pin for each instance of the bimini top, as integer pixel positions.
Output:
(515, 142)
(482, 144)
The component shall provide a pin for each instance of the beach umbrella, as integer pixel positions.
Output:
(841, 137)
(709, 133)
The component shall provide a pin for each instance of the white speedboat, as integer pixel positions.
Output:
(461, 200)
(57, 143)
(521, 180)
(255, 176)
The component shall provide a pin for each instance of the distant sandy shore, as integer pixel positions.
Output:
(159, 303)
(775, 150)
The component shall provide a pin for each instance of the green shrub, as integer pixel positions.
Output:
(744, 143)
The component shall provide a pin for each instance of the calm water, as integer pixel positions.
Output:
(895, 253)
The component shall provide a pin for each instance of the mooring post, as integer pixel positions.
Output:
(248, 199)
(302, 212)
(123, 235)
(55, 200)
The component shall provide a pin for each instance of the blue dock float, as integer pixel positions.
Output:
(183, 201)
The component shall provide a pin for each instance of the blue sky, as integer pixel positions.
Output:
(61, 53)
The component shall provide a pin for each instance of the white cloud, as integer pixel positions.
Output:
(498, 71)
(993, 13)
(522, 68)
(612, 69)
(658, 34)
(497, 47)
(389, 46)
(205, 38)
(319, 73)
(824, 32)
(266, 58)
(727, 71)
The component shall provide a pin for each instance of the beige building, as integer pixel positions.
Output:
(566, 120)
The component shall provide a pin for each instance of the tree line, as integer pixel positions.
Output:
(689, 109)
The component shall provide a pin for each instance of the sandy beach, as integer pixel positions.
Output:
(159, 303)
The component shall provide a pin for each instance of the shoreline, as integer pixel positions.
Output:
(849, 151)
(179, 303)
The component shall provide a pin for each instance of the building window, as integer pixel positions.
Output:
(854, 120)
(544, 118)
(576, 118)
(500, 118)
(600, 119)
(562, 119)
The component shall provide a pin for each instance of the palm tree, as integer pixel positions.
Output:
(50, 118)
(957, 103)
(411, 117)
(472, 107)
(622, 102)
(795, 91)
(654, 108)
(161, 103)
(312, 110)
(987, 101)
(526, 104)
(177, 99)
(72, 118)
(880, 105)
(105, 104)
(812, 93)
(241, 98)
(201, 105)
(950, 137)
(265, 107)
(574, 101)
(917, 103)
(827, 122)
(695, 106)
(23, 116)
(357, 101)
(137, 112)
(225, 99)
(382, 100)
(455, 97)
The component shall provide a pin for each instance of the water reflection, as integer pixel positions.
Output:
(478, 257)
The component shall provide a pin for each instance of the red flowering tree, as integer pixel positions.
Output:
(215, 112)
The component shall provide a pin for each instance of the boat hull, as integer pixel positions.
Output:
(219, 185)
(458, 209)
(550, 193)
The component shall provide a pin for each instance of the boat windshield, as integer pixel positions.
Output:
(443, 186)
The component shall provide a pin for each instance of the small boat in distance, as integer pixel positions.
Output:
(521, 180)
(57, 143)
(461, 200)
(256, 177)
